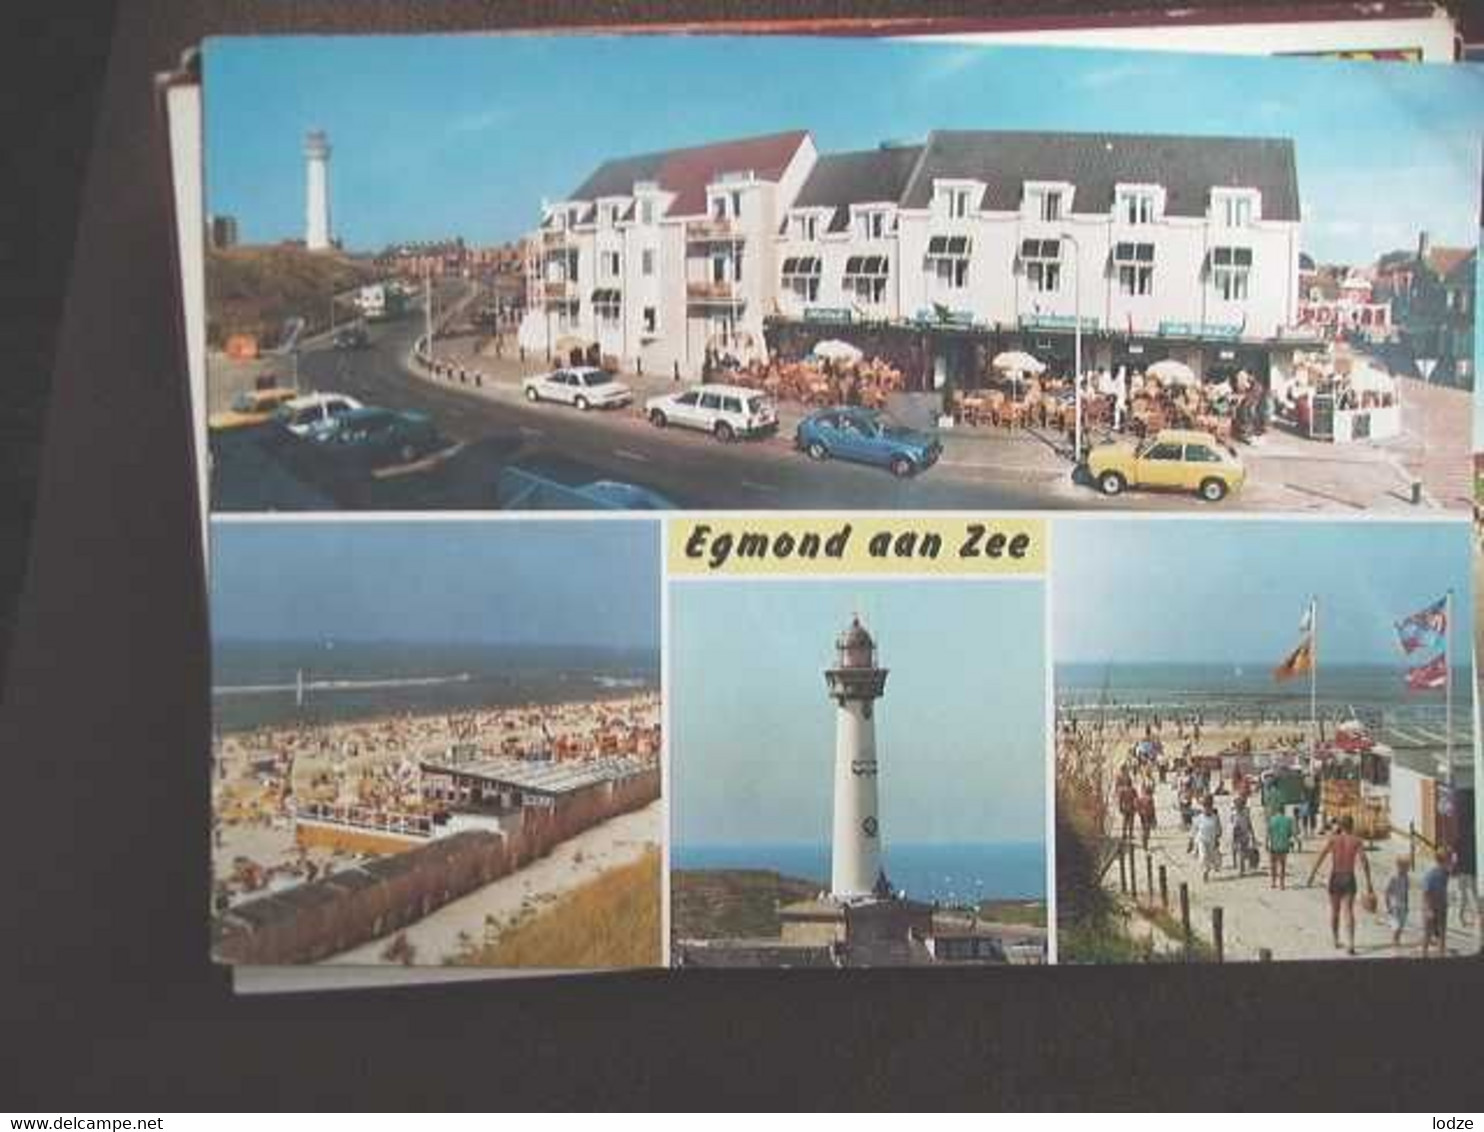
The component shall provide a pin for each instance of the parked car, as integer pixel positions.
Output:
(381, 436)
(725, 411)
(353, 337)
(585, 387)
(867, 436)
(1180, 459)
(315, 412)
(251, 407)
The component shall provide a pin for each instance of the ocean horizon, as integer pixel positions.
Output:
(942, 871)
(255, 683)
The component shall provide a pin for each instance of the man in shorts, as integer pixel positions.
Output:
(1280, 843)
(1344, 851)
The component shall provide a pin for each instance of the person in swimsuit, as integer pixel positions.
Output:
(1344, 851)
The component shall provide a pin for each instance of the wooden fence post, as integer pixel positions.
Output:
(1122, 870)
(1133, 871)
(1164, 889)
(1149, 874)
(1185, 915)
(1216, 934)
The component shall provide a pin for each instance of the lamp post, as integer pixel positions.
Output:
(1076, 345)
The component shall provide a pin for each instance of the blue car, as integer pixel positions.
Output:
(867, 436)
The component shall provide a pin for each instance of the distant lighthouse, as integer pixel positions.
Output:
(317, 191)
(855, 684)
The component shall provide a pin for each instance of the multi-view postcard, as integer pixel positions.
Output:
(1017, 513)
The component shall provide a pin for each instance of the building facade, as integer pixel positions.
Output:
(1179, 247)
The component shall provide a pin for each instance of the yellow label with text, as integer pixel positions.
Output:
(857, 544)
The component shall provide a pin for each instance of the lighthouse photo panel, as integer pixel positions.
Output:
(857, 771)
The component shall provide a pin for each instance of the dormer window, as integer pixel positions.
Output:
(806, 226)
(1136, 205)
(1234, 208)
(958, 204)
(1046, 203)
(646, 211)
(873, 223)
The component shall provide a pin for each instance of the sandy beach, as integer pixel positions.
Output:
(263, 775)
(442, 935)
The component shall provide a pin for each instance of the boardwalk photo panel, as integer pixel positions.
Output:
(1265, 741)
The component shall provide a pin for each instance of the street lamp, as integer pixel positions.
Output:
(1076, 345)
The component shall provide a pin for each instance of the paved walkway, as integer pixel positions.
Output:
(1293, 923)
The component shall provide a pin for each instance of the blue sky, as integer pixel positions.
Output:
(1197, 591)
(960, 732)
(463, 135)
(500, 582)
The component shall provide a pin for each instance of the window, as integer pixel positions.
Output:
(956, 203)
(874, 224)
(1234, 210)
(611, 215)
(719, 207)
(1135, 207)
(646, 261)
(1135, 263)
(605, 305)
(737, 205)
(1231, 269)
(806, 227)
(651, 320)
(948, 260)
(710, 401)
(865, 277)
(1042, 260)
(688, 398)
(646, 211)
(612, 265)
(801, 277)
(1200, 454)
(726, 267)
(1165, 451)
(1044, 204)
(731, 404)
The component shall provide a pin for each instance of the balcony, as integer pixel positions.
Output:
(714, 229)
(555, 237)
(707, 292)
(558, 290)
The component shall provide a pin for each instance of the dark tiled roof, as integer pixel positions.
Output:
(687, 172)
(1188, 167)
(839, 180)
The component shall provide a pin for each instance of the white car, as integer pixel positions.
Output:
(315, 414)
(582, 386)
(725, 411)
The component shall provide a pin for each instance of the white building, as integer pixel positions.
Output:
(1184, 247)
(656, 259)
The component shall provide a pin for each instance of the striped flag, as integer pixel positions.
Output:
(1425, 628)
(1296, 663)
(1433, 674)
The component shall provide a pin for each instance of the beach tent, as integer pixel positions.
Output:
(834, 350)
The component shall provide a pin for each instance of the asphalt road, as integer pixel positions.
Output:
(691, 469)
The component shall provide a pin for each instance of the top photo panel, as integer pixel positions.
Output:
(541, 273)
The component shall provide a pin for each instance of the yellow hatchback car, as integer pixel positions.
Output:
(252, 407)
(1180, 459)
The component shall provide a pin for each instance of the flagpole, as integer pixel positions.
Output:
(1448, 684)
(1313, 675)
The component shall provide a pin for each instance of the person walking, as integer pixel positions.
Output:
(1127, 804)
(1435, 904)
(1244, 839)
(1280, 843)
(1398, 897)
(1206, 833)
(1344, 851)
(1145, 808)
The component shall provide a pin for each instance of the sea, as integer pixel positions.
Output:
(1376, 694)
(256, 683)
(946, 872)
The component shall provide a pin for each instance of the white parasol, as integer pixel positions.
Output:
(1018, 362)
(1176, 373)
(834, 350)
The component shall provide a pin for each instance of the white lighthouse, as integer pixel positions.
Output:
(317, 191)
(855, 684)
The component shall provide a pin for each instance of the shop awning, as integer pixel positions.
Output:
(1040, 249)
(801, 265)
(605, 295)
(867, 266)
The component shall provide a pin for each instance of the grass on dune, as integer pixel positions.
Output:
(611, 921)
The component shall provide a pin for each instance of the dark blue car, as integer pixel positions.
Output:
(867, 436)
